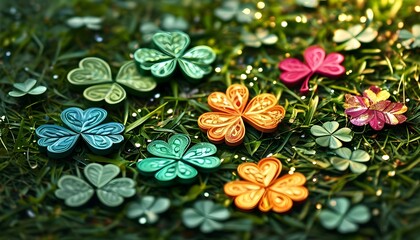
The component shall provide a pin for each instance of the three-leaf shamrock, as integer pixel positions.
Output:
(111, 191)
(262, 36)
(60, 141)
(205, 214)
(175, 161)
(147, 209)
(353, 37)
(194, 63)
(96, 73)
(329, 136)
(90, 22)
(341, 217)
(410, 39)
(27, 87)
(348, 158)
(293, 70)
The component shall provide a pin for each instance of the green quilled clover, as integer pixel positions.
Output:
(194, 63)
(174, 161)
(59, 142)
(95, 74)
(111, 191)
(205, 214)
(340, 216)
(27, 87)
(346, 158)
(328, 135)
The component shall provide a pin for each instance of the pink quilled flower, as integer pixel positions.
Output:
(374, 108)
(293, 70)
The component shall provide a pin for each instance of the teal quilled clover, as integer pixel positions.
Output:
(95, 74)
(59, 142)
(174, 161)
(194, 63)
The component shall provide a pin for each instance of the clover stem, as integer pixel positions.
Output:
(305, 85)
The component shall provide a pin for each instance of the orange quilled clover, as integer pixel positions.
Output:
(262, 187)
(226, 122)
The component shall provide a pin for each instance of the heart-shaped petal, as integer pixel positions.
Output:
(100, 175)
(111, 93)
(114, 192)
(172, 43)
(129, 76)
(91, 71)
(80, 120)
(261, 174)
(175, 148)
(73, 190)
(58, 141)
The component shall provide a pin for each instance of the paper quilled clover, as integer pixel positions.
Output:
(59, 141)
(293, 70)
(230, 110)
(95, 74)
(206, 214)
(172, 52)
(174, 161)
(374, 109)
(111, 191)
(353, 37)
(261, 186)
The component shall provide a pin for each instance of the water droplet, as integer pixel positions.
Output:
(137, 145)
(243, 158)
(283, 24)
(385, 157)
(55, 76)
(134, 114)
(170, 111)
(251, 84)
(30, 213)
(26, 69)
(270, 154)
(142, 220)
(314, 179)
(236, 156)
(375, 212)
(302, 136)
(318, 206)
(303, 97)
(8, 54)
(206, 194)
(157, 95)
(98, 38)
(379, 192)
(391, 173)
(260, 69)
(243, 76)
(139, 110)
(12, 10)
(217, 69)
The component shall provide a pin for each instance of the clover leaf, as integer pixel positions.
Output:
(111, 191)
(101, 138)
(90, 22)
(348, 158)
(341, 217)
(354, 36)
(27, 87)
(194, 63)
(329, 136)
(205, 214)
(233, 8)
(262, 36)
(175, 161)
(168, 22)
(96, 73)
(410, 39)
(147, 209)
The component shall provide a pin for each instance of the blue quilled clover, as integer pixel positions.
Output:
(174, 161)
(59, 141)
(194, 63)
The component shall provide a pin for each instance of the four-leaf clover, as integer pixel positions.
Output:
(194, 63)
(27, 87)
(111, 191)
(329, 136)
(96, 73)
(348, 158)
(232, 109)
(205, 214)
(175, 161)
(341, 217)
(60, 141)
(147, 209)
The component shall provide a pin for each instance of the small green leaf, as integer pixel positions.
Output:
(73, 190)
(149, 207)
(114, 192)
(27, 87)
(205, 214)
(329, 136)
(111, 93)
